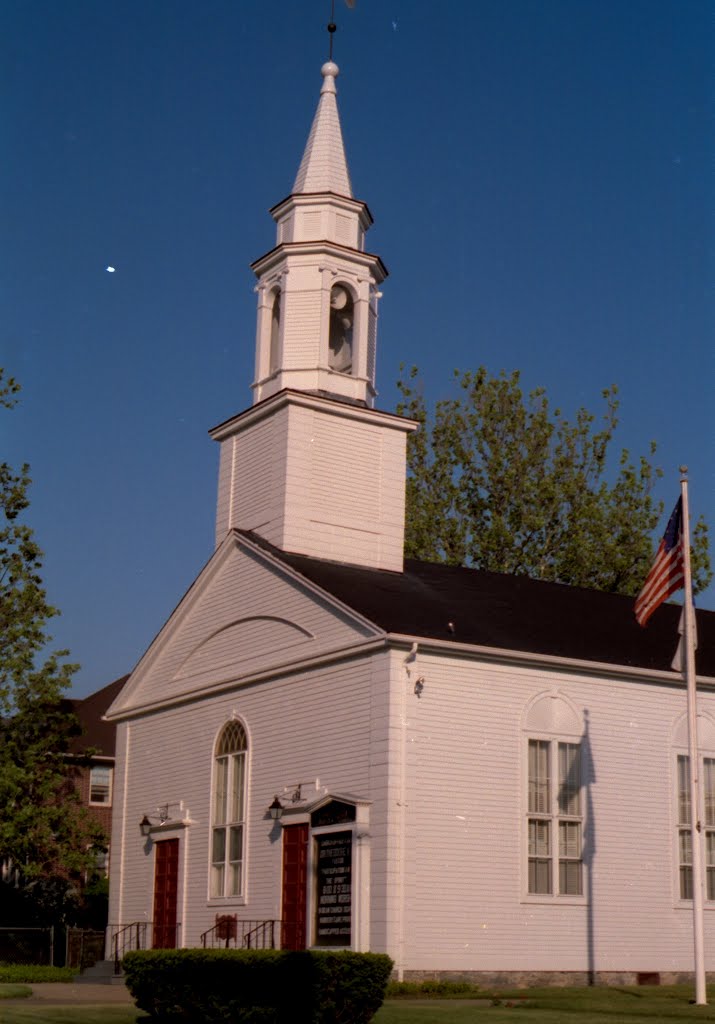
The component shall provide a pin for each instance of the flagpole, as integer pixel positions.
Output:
(695, 802)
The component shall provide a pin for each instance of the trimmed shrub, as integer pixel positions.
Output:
(218, 986)
(33, 974)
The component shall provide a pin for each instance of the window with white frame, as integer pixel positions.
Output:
(685, 846)
(554, 818)
(100, 784)
(228, 812)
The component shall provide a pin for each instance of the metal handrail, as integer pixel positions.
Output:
(229, 931)
(132, 936)
(261, 927)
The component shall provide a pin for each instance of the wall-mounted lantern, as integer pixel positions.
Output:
(276, 809)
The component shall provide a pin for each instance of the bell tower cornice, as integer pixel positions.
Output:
(275, 258)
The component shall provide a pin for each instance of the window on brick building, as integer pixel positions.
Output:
(100, 784)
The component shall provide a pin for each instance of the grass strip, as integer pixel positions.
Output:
(15, 991)
(33, 974)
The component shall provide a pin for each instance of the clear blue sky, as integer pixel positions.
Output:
(541, 177)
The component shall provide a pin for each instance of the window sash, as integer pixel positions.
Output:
(539, 781)
(228, 836)
(685, 843)
(555, 821)
(709, 787)
(569, 778)
(221, 791)
(570, 864)
(683, 789)
(100, 784)
(237, 787)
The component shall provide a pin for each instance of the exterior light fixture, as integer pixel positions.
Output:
(276, 809)
(145, 826)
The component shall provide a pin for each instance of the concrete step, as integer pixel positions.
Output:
(101, 973)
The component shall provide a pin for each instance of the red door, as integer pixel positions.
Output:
(166, 879)
(295, 886)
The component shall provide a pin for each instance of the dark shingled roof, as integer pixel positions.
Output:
(95, 732)
(506, 612)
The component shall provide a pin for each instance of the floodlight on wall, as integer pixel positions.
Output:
(276, 809)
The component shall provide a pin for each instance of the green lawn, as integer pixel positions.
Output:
(559, 1006)
(542, 1006)
(39, 1013)
(15, 991)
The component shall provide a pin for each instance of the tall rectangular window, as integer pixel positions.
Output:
(555, 818)
(685, 844)
(229, 812)
(100, 784)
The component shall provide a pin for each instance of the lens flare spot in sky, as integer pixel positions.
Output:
(110, 270)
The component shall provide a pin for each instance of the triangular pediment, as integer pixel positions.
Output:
(247, 615)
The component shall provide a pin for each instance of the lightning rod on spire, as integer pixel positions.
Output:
(332, 28)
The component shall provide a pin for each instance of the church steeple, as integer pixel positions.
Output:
(318, 288)
(324, 167)
(312, 467)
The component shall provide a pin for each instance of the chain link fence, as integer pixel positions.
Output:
(83, 948)
(27, 946)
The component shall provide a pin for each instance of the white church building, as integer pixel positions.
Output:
(328, 746)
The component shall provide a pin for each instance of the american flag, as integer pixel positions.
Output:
(668, 572)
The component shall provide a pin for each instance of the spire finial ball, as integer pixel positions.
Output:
(330, 69)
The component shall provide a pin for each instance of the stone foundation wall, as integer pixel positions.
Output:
(558, 979)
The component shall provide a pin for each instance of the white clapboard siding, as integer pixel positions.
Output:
(244, 615)
(316, 477)
(345, 491)
(307, 726)
(468, 907)
(445, 774)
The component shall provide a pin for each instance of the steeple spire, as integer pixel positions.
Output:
(313, 467)
(324, 167)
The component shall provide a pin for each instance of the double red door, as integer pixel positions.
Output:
(166, 885)
(294, 932)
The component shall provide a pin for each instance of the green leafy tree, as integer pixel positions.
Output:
(501, 481)
(47, 840)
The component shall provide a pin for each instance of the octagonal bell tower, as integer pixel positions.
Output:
(318, 288)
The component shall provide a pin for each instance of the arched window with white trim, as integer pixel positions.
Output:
(554, 820)
(228, 825)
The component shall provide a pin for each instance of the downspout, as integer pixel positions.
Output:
(123, 838)
(410, 664)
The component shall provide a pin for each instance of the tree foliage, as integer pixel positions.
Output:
(44, 832)
(501, 481)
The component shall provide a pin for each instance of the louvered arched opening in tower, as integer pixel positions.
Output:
(342, 318)
(274, 357)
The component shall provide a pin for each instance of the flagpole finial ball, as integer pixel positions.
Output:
(684, 470)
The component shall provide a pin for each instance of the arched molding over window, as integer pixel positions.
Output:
(228, 811)
(274, 347)
(341, 330)
(706, 732)
(552, 712)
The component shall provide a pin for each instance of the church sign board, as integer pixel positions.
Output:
(333, 911)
